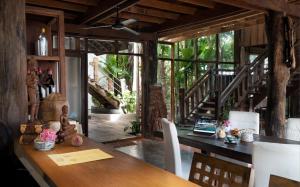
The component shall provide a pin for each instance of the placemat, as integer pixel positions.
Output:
(77, 157)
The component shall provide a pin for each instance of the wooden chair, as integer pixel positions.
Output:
(276, 181)
(212, 172)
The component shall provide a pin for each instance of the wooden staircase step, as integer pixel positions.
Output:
(209, 115)
(209, 103)
(207, 108)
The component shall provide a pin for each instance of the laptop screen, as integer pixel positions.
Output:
(204, 125)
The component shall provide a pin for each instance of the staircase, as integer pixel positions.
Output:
(103, 91)
(215, 93)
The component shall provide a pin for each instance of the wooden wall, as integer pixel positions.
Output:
(253, 36)
(13, 94)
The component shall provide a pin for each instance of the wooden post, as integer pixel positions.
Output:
(13, 92)
(181, 105)
(172, 84)
(279, 75)
(217, 81)
(149, 77)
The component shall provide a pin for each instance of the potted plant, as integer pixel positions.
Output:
(135, 128)
(46, 140)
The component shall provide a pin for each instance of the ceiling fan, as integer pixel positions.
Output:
(118, 25)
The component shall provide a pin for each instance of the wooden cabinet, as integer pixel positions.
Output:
(53, 21)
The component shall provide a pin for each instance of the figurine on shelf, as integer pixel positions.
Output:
(67, 131)
(32, 89)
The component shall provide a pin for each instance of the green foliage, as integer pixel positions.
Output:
(207, 48)
(164, 51)
(227, 46)
(129, 98)
(135, 127)
(96, 102)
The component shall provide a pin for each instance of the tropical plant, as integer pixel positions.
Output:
(135, 127)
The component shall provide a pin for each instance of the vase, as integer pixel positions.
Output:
(221, 133)
(43, 145)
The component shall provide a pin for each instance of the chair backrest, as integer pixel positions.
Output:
(293, 129)
(210, 171)
(172, 148)
(276, 181)
(275, 159)
(243, 120)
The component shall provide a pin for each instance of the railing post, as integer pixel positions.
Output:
(181, 105)
(217, 104)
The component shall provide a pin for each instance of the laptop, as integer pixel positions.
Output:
(205, 126)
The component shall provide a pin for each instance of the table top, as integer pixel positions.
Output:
(122, 170)
(241, 151)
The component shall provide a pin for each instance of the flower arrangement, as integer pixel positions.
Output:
(226, 125)
(48, 135)
(46, 140)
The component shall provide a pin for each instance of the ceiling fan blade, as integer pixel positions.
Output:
(130, 30)
(129, 21)
(96, 27)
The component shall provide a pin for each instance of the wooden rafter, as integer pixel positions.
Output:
(58, 5)
(276, 5)
(83, 2)
(139, 17)
(203, 3)
(222, 23)
(172, 7)
(105, 9)
(152, 12)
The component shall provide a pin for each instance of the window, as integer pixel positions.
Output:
(226, 46)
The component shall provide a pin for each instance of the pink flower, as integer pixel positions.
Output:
(226, 123)
(48, 135)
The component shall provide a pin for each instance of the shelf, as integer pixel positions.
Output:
(45, 58)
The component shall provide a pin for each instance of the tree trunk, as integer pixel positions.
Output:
(149, 77)
(13, 92)
(279, 75)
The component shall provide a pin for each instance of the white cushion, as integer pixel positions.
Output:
(275, 159)
(293, 129)
(243, 120)
(172, 148)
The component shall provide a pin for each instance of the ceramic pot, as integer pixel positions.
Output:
(43, 146)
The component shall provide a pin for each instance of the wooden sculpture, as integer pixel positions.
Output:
(67, 131)
(32, 89)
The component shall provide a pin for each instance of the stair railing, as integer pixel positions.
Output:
(246, 79)
(190, 100)
(108, 77)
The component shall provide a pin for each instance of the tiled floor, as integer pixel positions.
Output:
(152, 151)
(109, 127)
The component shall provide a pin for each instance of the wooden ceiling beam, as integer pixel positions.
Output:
(202, 3)
(72, 29)
(152, 12)
(276, 5)
(139, 17)
(222, 24)
(83, 2)
(105, 9)
(58, 5)
(171, 7)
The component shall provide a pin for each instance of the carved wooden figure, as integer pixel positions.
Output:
(32, 88)
(67, 131)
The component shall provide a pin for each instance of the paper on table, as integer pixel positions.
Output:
(79, 157)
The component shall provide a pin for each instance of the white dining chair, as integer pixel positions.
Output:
(243, 120)
(292, 131)
(172, 148)
(275, 159)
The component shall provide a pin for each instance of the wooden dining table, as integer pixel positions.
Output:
(120, 171)
(241, 151)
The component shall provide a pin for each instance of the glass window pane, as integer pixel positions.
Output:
(226, 47)
(207, 48)
(164, 51)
